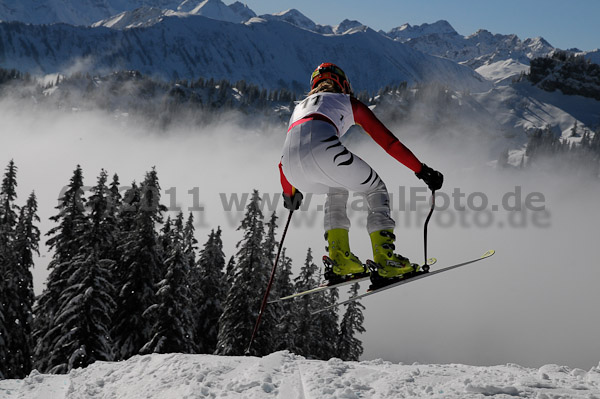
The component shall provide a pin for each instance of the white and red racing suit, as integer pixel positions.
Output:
(315, 161)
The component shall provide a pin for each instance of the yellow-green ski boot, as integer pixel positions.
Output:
(342, 262)
(388, 263)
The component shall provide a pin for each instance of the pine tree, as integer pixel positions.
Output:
(348, 346)
(165, 238)
(210, 292)
(8, 284)
(125, 216)
(25, 244)
(66, 241)
(326, 325)
(3, 341)
(242, 304)
(229, 273)
(306, 331)
(270, 243)
(140, 269)
(273, 313)
(172, 327)
(283, 286)
(103, 219)
(114, 206)
(189, 240)
(8, 208)
(80, 335)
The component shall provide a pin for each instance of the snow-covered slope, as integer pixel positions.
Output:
(148, 16)
(522, 107)
(593, 56)
(481, 47)
(80, 12)
(267, 53)
(87, 12)
(502, 72)
(500, 57)
(140, 17)
(285, 376)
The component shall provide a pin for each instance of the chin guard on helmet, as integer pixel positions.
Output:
(330, 71)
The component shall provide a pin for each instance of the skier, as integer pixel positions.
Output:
(314, 160)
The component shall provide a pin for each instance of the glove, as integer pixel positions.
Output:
(432, 178)
(293, 203)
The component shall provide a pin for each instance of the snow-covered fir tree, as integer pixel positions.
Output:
(210, 291)
(243, 300)
(23, 248)
(3, 340)
(103, 219)
(326, 323)
(125, 215)
(171, 315)
(270, 244)
(80, 335)
(284, 286)
(139, 269)
(113, 210)
(66, 239)
(272, 314)
(229, 273)
(306, 331)
(189, 240)
(165, 238)
(9, 306)
(348, 346)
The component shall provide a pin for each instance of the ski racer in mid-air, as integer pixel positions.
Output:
(314, 160)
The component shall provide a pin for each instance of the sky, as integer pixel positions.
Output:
(565, 24)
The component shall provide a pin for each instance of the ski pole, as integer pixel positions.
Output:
(266, 297)
(425, 265)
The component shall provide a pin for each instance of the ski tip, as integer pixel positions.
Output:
(431, 261)
(488, 253)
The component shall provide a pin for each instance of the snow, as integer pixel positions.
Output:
(406, 31)
(502, 72)
(287, 376)
(216, 9)
(195, 46)
(522, 107)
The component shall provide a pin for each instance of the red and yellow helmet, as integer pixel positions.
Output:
(331, 71)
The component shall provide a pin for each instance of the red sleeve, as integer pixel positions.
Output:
(364, 117)
(288, 189)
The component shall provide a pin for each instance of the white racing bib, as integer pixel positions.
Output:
(335, 106)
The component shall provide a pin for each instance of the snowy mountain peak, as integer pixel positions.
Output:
(216, 9)
(407, 31)
(188, 5)
(294, 17)
(140, 17)
(348, 26)
(242, 10)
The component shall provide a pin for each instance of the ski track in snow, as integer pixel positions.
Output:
(284, 375)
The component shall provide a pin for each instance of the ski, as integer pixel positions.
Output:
(331, 281)
(414, 277)
(322, 288)
(328, 286)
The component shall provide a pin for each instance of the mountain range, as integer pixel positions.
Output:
(270, 52)
(183, 52)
